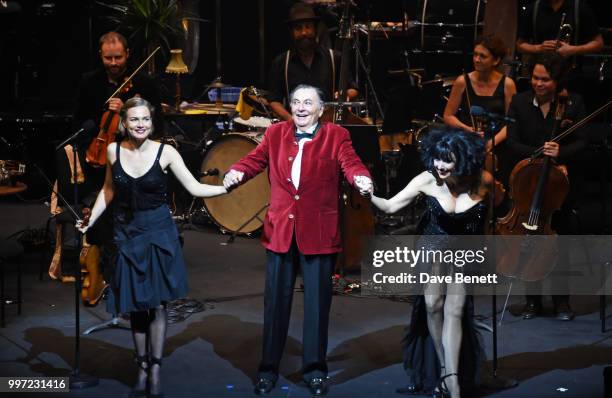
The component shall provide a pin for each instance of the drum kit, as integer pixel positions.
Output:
(244, 210)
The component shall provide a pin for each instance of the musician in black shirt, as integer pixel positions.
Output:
(534, 112)
(307, 62)
(540, 28)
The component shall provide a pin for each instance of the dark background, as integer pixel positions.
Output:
(45, 47)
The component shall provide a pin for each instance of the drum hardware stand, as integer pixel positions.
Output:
(185, 220)
(236, 232)
(391, 160)
(361, 63)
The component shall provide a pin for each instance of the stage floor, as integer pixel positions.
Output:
(215, 353)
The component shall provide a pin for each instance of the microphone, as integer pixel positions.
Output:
(5, 142)
(87, 126)
(480, 111)
(209, 172)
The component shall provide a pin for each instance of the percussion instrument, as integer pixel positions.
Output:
(394, 142)
(10, 169)
(230, 212)
(254, 123)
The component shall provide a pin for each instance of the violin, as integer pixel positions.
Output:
(109, 123)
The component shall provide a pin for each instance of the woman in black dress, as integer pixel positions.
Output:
(486, 87)
(441, 347)
(149, 270)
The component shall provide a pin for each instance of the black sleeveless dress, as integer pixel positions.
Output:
(495, 103)
(420, 359)
(149, 268)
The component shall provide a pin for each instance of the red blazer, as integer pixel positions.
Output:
(311, 210)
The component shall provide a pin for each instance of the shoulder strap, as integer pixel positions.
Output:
(333, 65)
(536, 7)
(501, 86)
(117, 150)
(159, 152)
(576, 21)
(287, 74)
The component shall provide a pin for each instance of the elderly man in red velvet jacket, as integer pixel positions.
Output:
(305, 160)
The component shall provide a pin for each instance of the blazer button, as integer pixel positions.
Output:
(288, 179)
(297, 197)
(290, 158)
(291, 216)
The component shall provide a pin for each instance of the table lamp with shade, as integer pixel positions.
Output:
(176, 65)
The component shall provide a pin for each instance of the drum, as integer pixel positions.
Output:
(254, 123)
(394, 142)
(242, 210)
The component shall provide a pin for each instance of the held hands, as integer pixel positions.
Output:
(364, 185)
(551, 149)
(232, 179)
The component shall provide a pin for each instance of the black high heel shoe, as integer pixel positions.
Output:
(143, 364)
(155, 361)
(441, 390)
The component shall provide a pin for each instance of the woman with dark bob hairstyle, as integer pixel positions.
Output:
(441, 336)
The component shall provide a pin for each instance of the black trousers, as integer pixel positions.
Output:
(281, 272)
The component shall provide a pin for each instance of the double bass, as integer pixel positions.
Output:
(109, 124)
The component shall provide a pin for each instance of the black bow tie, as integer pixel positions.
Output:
(299, 136)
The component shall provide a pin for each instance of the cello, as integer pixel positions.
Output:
(547, 184)
(109, 123)
(538, 188)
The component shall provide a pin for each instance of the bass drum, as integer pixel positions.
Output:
(231, 212)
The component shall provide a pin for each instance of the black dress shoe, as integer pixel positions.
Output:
(263, 386)
(532, 309)
(410, 389)
(317, 387)
(564, 312)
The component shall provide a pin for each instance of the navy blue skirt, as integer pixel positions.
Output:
(149, 268)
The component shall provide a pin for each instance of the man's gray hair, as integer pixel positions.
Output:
(308, 86)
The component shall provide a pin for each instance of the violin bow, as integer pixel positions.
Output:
(59, 195)
(573, 128)
(133, 73)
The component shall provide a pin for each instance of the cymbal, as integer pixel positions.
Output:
(446, 81)
(211, 108)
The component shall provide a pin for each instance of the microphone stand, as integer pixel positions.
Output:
(496, 382)
(77, 379)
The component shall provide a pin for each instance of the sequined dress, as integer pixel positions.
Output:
(419, 355)
(149, 268)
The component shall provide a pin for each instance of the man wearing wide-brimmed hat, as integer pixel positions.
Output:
(306, 62)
